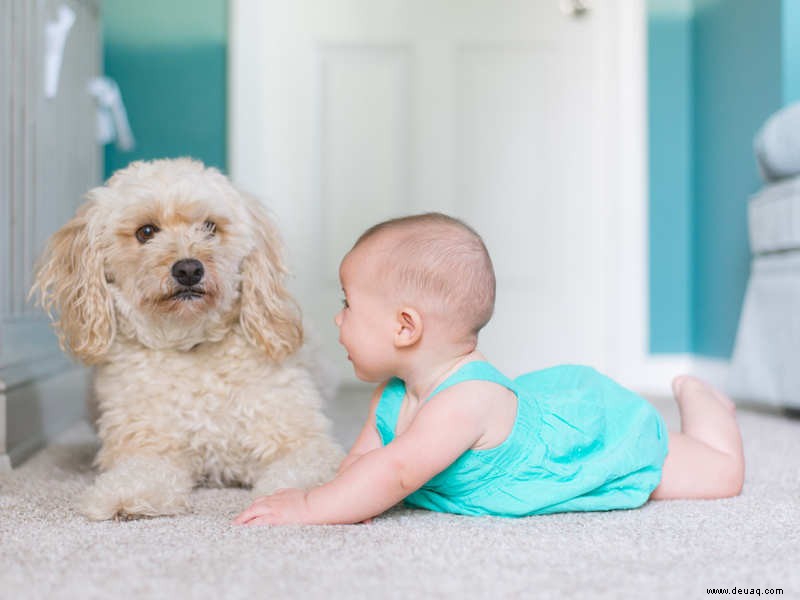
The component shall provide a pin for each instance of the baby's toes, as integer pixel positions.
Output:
(677, 384)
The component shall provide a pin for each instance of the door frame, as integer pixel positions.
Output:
(621, 172)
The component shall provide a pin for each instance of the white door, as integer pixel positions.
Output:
(344, 113)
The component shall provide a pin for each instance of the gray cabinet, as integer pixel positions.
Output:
(48, 160)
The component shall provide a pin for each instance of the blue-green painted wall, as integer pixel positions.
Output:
(718, 69)
(169, 59)
(791, 51)
(737, 84)
(669, 33)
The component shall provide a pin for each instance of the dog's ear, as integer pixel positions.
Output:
(269, 316)
(70, 279)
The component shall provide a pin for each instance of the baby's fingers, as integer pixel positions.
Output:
(255, 510)
(263, 520)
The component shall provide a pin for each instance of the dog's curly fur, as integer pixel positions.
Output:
(201, 383)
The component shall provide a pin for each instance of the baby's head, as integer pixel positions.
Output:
(435, 263)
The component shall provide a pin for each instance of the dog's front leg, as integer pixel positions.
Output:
(139, 486)
(312, 463)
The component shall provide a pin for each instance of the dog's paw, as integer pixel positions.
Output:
(277, 477)
(306, 467)
(281, 475)
(102, 504)
(137, 488)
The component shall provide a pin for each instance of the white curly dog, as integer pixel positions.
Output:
(171, 283)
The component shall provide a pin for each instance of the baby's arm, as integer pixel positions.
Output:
(445, 428)
(442, 431)
(368, 439)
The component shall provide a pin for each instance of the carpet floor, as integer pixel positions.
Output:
(668, 549)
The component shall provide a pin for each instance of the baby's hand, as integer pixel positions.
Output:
(281, 508)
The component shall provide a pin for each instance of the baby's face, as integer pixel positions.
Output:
(366, 320)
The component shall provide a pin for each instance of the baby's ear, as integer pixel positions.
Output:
(408, 329)
(269, 316)
(70, 279)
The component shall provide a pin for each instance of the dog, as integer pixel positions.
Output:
(170, 283)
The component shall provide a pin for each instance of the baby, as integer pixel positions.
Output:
(448, 432)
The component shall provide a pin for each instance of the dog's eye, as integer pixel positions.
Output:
(210, 227)
(146, 232)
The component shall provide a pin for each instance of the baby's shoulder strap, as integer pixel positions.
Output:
(472, 371)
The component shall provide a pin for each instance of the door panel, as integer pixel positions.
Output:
(487, 110)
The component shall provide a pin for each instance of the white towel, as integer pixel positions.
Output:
(777, 144)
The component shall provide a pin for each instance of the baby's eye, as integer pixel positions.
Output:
(344, 303)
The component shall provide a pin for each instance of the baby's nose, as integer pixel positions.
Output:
(338, 319)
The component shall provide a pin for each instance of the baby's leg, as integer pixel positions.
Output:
(705, 460)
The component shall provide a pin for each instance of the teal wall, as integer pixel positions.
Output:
(670, 173)
(169, 59)
(791, 51)
(736, 86)
(718, 69)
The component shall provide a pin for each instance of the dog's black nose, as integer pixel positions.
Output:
(188, 271)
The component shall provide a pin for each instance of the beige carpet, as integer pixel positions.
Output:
(675, 549)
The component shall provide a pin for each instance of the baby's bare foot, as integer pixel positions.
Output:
(725, 399)
(677, 384)
(687, 385)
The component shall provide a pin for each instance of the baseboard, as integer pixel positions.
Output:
(5, 461)
(654, 374)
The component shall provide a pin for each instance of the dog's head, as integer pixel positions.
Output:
(168, 253)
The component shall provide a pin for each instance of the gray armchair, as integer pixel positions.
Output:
(766, 359)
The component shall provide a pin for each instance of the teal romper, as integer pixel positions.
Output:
(580, 442)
